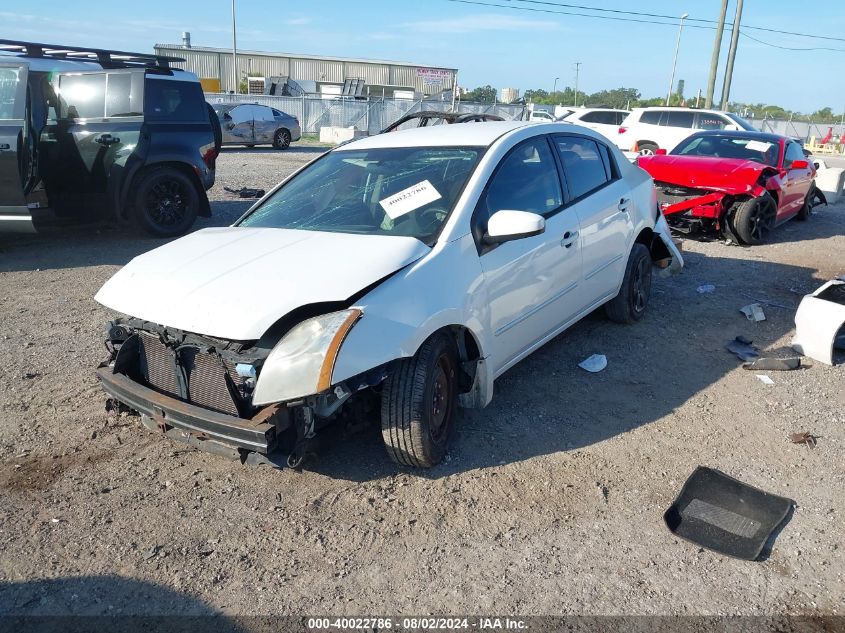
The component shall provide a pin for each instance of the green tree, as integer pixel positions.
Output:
(482, 94)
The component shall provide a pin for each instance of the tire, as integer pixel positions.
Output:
(807, 210)
(629, 305)
(646, 148)
(753, 219)
(418, 404)
(281, 139)
(165, 202)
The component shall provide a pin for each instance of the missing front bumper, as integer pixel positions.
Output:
(256, 434)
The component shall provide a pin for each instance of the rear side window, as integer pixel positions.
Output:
(82, 96)
(651, 117)
(168, 100)
(678, 119)
(621, 116)
(12, 89)
(710, 122)
(585, 168)
(608, 118)
(526, 180)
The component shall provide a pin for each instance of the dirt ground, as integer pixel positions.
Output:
(550, 500)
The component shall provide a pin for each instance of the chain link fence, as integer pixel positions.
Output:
(369, 116)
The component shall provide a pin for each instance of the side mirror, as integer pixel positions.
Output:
(660, 151)
(227, 116)
(799, 164)
(506, 225)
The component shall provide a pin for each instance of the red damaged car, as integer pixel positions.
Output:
(738, 184)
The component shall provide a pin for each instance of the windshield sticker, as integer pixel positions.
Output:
(409, 199)
(758, 146)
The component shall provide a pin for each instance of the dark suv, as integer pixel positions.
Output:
(87, 133)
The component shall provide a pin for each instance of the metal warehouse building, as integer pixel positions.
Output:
(298, 74)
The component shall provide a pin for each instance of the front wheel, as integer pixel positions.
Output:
(754, 219)
(629, 305)
(418, 404)
(165, 202)
(281, 139)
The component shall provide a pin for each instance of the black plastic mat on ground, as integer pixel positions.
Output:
(718, 512)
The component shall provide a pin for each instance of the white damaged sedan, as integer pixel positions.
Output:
(395, 276)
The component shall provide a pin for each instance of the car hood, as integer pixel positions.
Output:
(704, 172)
(234, 283)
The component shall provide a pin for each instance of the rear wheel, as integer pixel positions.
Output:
(807, 210)
(418, 404)
(165, 202)
(629, 305)
(754, 219)
(647, 148)
(281, 139)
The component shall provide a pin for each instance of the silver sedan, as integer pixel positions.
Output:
(253, 124)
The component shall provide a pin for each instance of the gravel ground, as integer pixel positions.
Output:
(549, 502)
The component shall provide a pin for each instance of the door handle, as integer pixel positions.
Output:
(107, 139)
(623, 205)
(569, 238)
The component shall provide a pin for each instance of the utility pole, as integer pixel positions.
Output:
(235, 51)
(554, 88)
(675, 59)
(714, 59)
(577, 69)
(729, 71)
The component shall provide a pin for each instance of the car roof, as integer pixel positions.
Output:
(474, 134)
(760, 136)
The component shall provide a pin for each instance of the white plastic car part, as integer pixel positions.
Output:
(301, 364)
(818, 321)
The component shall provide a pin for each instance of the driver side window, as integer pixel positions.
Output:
(793, 153)
(526, 180)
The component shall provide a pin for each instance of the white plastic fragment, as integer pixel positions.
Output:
(818, 321)
(705, 289)
(765, 379)
(753, 312)
(594, 363)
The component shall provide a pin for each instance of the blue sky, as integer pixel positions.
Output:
(502, 47)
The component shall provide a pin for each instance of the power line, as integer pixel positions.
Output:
(790, 48)
(673, 20)
(584, 15)
(672, 17)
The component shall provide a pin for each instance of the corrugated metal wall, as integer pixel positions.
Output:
(217, 64)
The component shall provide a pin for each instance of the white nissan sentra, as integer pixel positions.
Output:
(395, 276)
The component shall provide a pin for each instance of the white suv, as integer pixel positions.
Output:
(648, 129)
(605, 121)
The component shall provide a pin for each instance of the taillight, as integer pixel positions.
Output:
(622, 130)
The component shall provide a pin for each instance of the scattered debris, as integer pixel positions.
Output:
(774, 364)
(818, 321)
(705, 289)
(753, 312)
(30, 375)
(743, 348)
(246, 192)
(152, 552)
(721, 513)
(594, 363)
(804, 437)
(765, 379)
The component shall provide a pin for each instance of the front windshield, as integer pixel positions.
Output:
(385, 191)
(726, 146)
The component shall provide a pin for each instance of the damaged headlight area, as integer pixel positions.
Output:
(301, 363)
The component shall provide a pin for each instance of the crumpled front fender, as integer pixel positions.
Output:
(661, 228)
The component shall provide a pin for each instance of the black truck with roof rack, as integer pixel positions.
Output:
(98, 134)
